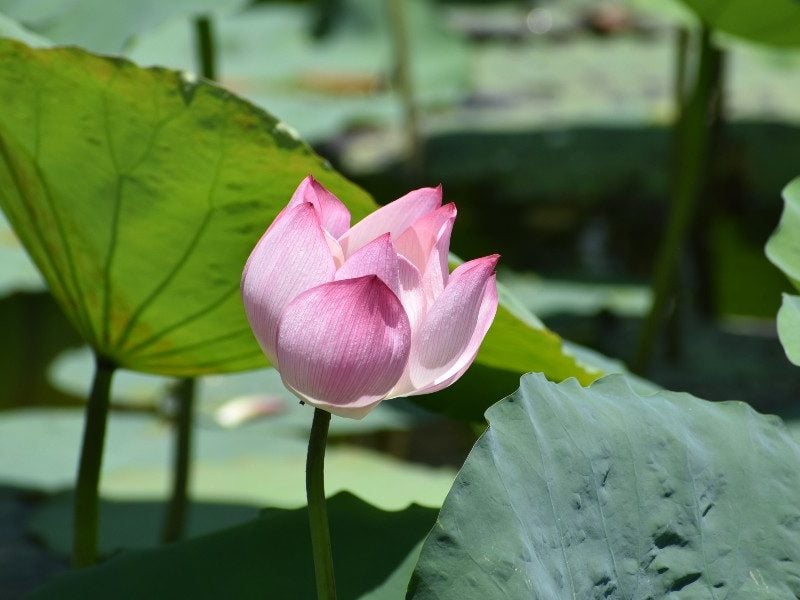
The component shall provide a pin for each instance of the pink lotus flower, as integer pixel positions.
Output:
(351, 316)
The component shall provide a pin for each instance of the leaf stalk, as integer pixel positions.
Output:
(87, 498)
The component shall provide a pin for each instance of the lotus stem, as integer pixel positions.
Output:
(317, 509)
(175, 522)
(87, 500)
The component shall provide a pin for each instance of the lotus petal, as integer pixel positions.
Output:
(447, 340)
(394, 218)
(291, 257)
(343, 345)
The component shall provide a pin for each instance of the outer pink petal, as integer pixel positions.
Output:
(333, 215)
(291, 257)
(448, 339)
(343, 345)
(393, 218)
(376, 258)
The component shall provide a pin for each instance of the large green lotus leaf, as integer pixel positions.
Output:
(783, 249)
(599, 492)
(270, 557)
(139, 195)
(776, 23)
(518, 342)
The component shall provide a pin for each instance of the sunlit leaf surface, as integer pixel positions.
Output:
(601, 493)
(139, 195)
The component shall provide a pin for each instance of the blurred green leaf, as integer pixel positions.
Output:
(517, 343)
(270, 557)
(328, 85)
(105, 26)
(783, 249)
(547, 297)
(260, 463)
(775, 23)
(599, 492)
(738, 247)
(139, 195)
(71, 372)
(9, 28)
(789, 327)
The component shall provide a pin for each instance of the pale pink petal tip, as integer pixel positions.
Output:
(343, 345)
(333, 214)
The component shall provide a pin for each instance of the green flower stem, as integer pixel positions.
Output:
(175, 522)
(87, 501)
(692, 139)
(317, 509)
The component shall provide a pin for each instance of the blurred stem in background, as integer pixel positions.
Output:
(679, 91)
(175, 523)
(403, 82)
(185, 389)
(681, 63)
(87, 501)
(691, 154)
(205, 47)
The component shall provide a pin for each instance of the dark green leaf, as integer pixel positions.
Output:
(601, 493)
(374, 552)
